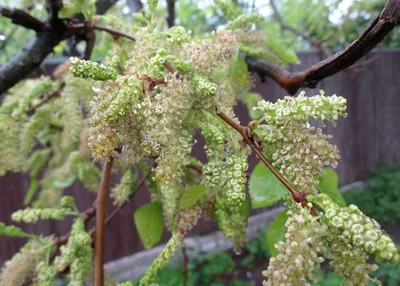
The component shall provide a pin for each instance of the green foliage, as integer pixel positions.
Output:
(251, 100)
(191, 195)
(380, 199)
(276, 232)
(329, 184)
(328, 279)
(388, 274)
(149, 223)
(87, 7)
(264, 188)
(12, 231)
(256, 249)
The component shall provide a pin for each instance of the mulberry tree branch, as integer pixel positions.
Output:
(388, 19)
(100, 216)
(50, 34)
(22, 18)
(171, 13)
(246, 134)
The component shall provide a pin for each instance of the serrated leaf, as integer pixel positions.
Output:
(329, 184)
(264, 188)
(149, 223)
(276, 232)
(251, 99)
(191, 196)
(31, 191)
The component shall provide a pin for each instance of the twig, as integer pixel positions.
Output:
(47, 99)
(245, 132)
(118, 209)
(374, 34)
(114, 32)
(198, 169)
(295, 31)
(100, 215)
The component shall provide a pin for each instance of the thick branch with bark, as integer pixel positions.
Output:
(50, 34)
(373, 35)
(22, 18)
(31, 58)
(171, 13)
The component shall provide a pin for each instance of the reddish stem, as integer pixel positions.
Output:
(245, 132)
(100, 215)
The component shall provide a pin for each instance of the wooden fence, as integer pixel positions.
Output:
(369, 134)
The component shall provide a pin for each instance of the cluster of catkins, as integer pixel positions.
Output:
(144, 104)
(296, 148)
(322, 230)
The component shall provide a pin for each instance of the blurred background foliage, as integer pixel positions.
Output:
(333, 23)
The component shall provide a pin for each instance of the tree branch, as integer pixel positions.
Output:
(295, 31)
(373, 35)
(100, 215)
(50, 34)
(31, 58)
(22, 18)
(171, 13)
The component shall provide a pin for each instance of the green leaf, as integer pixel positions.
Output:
(62, 181)
(149, 223)
(251, 99)
(69, 10)
(191, 196)
(328, 184)
(276, 232)
(244, 209)
(240, 71)
(283, 51)
(31, 191)
(265, 189)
